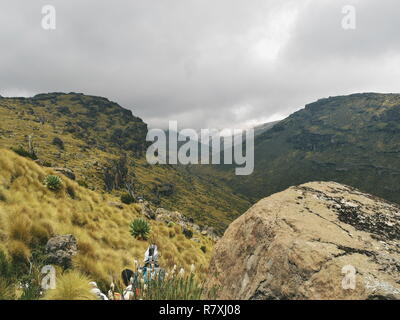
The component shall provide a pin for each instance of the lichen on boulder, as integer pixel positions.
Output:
(299, 244)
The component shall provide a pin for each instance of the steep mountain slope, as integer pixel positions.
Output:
(104, 144)
(348, 139)
(320, 240)
(258, 130)
(31, 214)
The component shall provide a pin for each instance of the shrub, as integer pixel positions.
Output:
(19, 281)
(187, 233)
(2, 196)
(6, 290)
(71, 192)
(52, 182)
(24, 153)
(127, 198)
(58, 143)
(83, 183)
(140, 229)
(5, 266)
(46, 164)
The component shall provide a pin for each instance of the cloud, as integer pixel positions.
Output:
(225, 63)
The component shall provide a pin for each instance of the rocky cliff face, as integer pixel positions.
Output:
(320, 240)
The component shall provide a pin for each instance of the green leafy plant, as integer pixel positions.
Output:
(52, 182)
(127, 198)
(140, 229)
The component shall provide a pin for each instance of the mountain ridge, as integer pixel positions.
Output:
(348, 139)
(104, 145)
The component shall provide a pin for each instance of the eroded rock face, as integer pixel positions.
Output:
(60, 250)
(296, 244)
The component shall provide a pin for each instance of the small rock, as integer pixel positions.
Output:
(60, 250)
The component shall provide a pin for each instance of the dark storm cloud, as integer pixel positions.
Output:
(204, 63)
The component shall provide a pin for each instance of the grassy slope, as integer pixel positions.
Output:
(30, 214)
(353, 140)
(95, 130)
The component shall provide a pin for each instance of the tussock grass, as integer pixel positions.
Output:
(70, 286)
(30, 214)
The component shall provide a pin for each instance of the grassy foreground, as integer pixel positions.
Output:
(30, 214)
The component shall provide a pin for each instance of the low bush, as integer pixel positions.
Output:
(58, 142)
(187, 233)
(24, 153)
(83, 183)
(127, 198)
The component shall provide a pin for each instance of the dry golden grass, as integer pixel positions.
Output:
(207, 201)
(30, 214)
(70, 286)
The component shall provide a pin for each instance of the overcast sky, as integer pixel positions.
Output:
(204, 63)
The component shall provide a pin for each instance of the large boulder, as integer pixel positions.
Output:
(60, 250)
(320, 240)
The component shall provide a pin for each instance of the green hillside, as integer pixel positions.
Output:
(104, 145)
(353, 140)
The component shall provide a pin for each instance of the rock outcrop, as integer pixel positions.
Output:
(320, 240)
(167, 216)
(60, 250)
(66, 172)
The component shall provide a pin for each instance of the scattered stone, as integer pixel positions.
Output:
(146, 210)
(60, 250)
